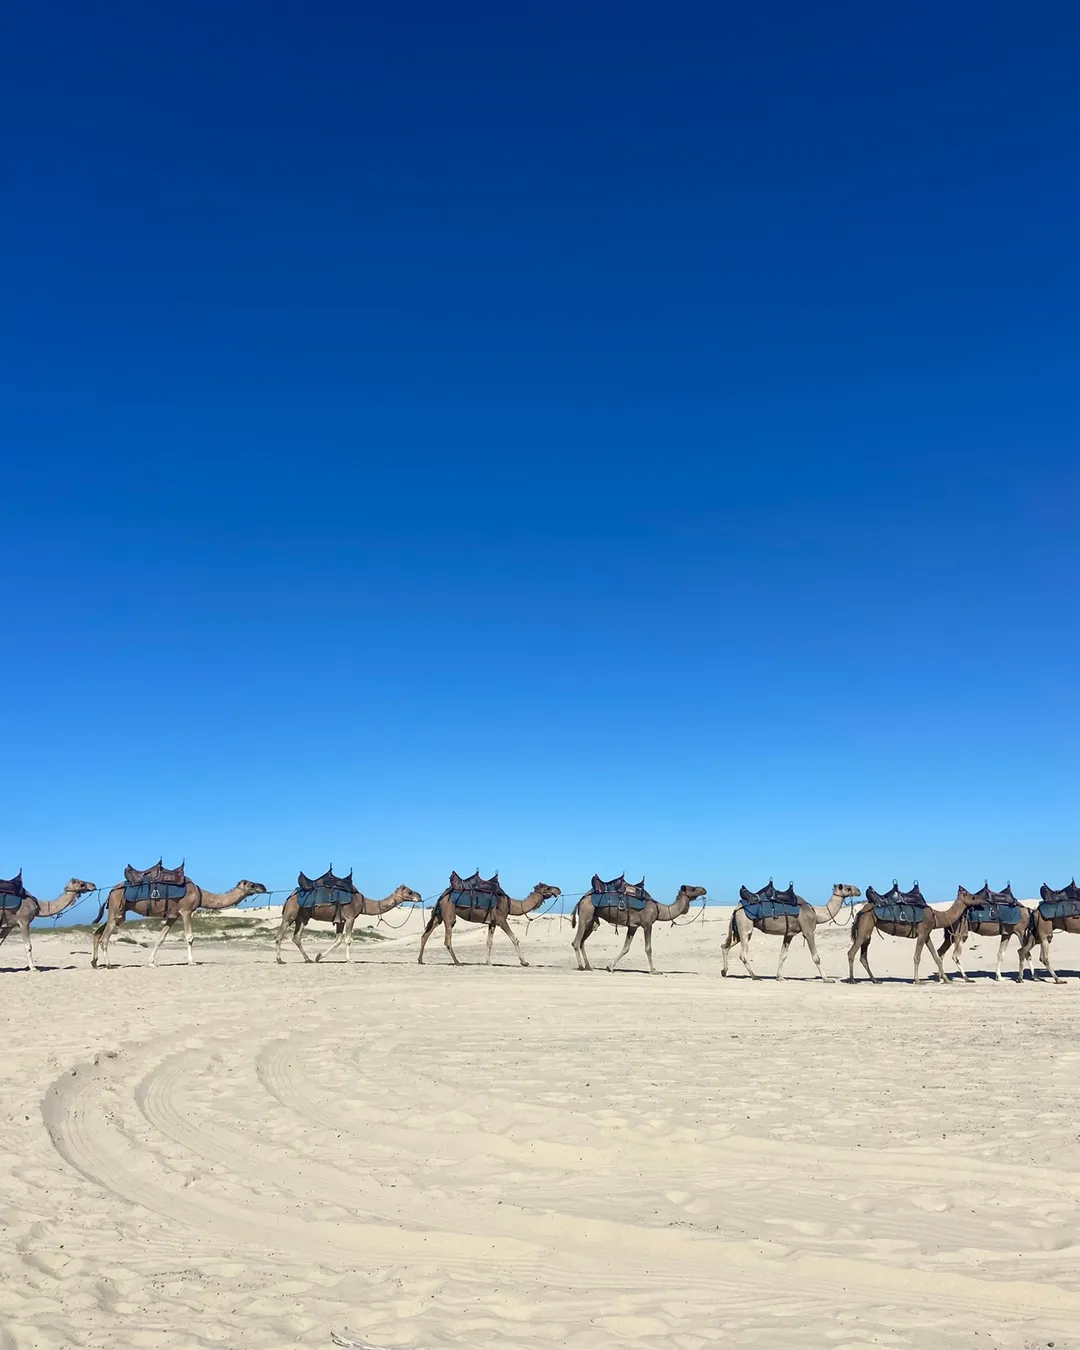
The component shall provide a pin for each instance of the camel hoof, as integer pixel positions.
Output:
(1058, 979)
(723, 974)
(525, 964)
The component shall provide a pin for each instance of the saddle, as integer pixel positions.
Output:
(12, 892)
(1063, 904)
(474, 892)
(325, 890)
(769, 903)
(897, 906)
(156, 883)
(618, 894)
(998, 907)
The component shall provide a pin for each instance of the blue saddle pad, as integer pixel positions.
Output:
(1059, 909)
(152, 890)
(895, 912)
(1003, 914)
(323, 895)
(474, 899)
(612, 900)
(10, 902)
(770, 909)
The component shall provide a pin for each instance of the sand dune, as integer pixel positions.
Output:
(242, 1154)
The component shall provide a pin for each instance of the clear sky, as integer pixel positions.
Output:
(541, 436)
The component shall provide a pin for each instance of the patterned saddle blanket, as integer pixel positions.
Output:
(325, 890)
(475, 892)
(897, 906)
(1063, 904)
(155, 883)
(769, 903)
(994, 906)
(618, 893)
(12, 892)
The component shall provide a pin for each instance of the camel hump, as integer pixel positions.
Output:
(12, 892)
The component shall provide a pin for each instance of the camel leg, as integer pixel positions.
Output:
(925, 942)
(298, 937)
(1000, 955)
(24, 929)
(448, 925)
(1044, 957)
(626, 947)
(349, 923)
(783, 956)
(744, 950)
(811, 942)
(426, 934)
(864, 962)
(725, 947)
(189, 936)
(490, 940)
(957, 952)
(337, 942)
(505, 926)
(583, 934)
(101, 942)
(163, 933)
(648, 948)
(279, 939)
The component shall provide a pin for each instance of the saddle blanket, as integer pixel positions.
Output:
(10, 902)
(891, 912)
(770, 909)
(1003, 914)
(613, 900)
(474, 899)
(1059, 909)
(152, 890)
(323, 895)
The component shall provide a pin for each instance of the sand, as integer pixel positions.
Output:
(245, 1155)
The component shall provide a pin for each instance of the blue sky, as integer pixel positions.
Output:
(547, 437)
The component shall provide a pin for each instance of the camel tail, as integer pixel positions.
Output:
(101, 911)
(573, 916)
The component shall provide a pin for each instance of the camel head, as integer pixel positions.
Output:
(848, 892)
(251, 887)
(77, 887)
(405, 895)
(545, 891)
(693, 893)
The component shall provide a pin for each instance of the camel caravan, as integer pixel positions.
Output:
(170, 895)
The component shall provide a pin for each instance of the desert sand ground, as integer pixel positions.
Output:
(245, 1155)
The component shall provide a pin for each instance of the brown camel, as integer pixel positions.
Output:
(31, 908)
(913, 918)
(587, 915)
(479, 901)
(179, 899)
(785, 926)
(342, 916)
(1056, 911)
(991, 921)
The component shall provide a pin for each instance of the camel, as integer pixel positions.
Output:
(867, 920)
(31, 908)
(958, 933)
(1042, 928)
(587, 915)
(742, 928)
(478, 901)
(181, 907)
(342, 916)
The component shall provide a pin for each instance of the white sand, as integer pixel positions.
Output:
(242, 1155)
